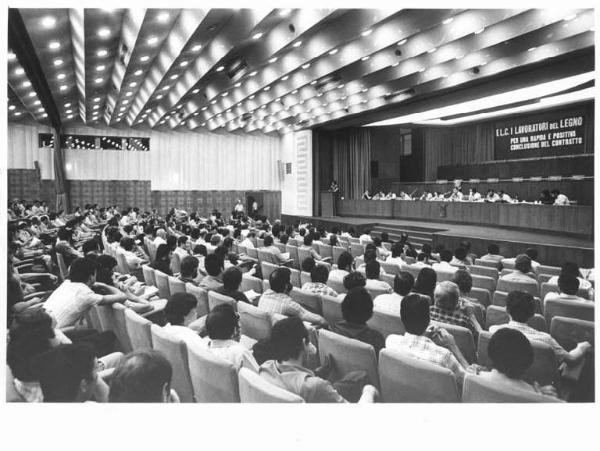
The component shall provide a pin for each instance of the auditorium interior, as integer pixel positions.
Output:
(300, 205)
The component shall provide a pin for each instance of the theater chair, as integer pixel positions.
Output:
(496, 315)
(546, 288)
(348, 355)
(162, 283)
(479, 390)
(482, 295)
(386, 323)
(148, 274)
(552, 270)
(176, 285)
(389, 278)
(336, 252)
(570, 331)
(293, 251)
(215, 299)
(295, 278)
(356, 249)
(337, 285)
(213, 378)
(175, 350)
(266, 268)
(485, 282)
(255, 389)
(332, 308)
(507, 287)
(487, 263)
(175, 263)
(464, 339)
(202, 296)
(138, 329)
(445, 275)
(251, 283)
(390, 268)
(304, 278)
(500, 298)
(412, 270)
(254, 322)
(309, 301)
(568, 309)
(120, 328)
(325, 250)
(122, 263)
(483, 271)
(407, 379)
(62, 267)
(376, 292)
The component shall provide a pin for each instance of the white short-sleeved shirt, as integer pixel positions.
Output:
(233, 352)
(70, 301)
(389, 303)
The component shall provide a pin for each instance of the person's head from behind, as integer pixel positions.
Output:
(182, 241)
(426, 249)
(181, 309)
(460, 253)
(83, 270)
(426, 280)
(189, 267)
(89, 246)
(568, 284)
(319, 274)
(345, 261)
(354, 280)
(357, 306)
(279, 280)
(523, 263)
(463, 280)
(532, 253)
(493, 249)
(213, 265)
(67, 373)
(414, 313)
(520, 306)
(446, 295)
(232, 278)
(308, 239)
(290, 339)
(200, 249)
(372, 269)
(570, 268)
(421, 257)
(308, 264)
(403, 283)
(511, 352)
(268, 241)
(446, 255)
(141, 376)
(222, 323)
(65, 234)
(163, 253)
(397, 249)
(105, 268)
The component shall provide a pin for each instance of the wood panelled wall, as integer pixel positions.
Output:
(129, 193)
(202, 201)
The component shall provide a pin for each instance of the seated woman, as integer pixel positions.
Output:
(308, 241)
(345, 265)
(162, 262)
(511, 355)
(425, 283)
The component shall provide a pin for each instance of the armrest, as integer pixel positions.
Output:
(572, 373)
(39, 294)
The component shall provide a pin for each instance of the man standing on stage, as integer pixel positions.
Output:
(335, 189)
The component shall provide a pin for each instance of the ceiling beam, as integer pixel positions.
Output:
(20, 42)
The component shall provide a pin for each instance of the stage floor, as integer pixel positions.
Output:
(468, 231)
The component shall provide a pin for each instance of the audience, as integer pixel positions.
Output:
(372, 271)
(318, 283)
(568, 286)
(390, 303)
(344, 267)
(214, 266)
(446, 308)
(425, 283)
(232, 279)
(162, 262)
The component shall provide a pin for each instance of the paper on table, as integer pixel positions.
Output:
(251, 294)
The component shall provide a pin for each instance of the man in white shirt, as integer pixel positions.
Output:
(161, 237)
(182, 247)
(493, 254)
(222, 325)
(396, 258)
(282, 257)
(573, 269)
(568, 285)
(559, 199)
(365, 238)
(133, 261)
(372, 271)
(444, 265)
(390, 303)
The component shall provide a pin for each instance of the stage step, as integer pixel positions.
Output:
(416, 237)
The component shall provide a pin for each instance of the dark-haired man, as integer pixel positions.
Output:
(318, 282)
(214, 265)
(444, 264)
(568, 286)
(390, 303)
(281, 257)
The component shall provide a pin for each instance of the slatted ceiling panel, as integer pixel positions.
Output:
(275, 70)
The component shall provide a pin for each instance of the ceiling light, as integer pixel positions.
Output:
(204, 108)
(133, 84)
(251, 97)
(67, 105)
(531, 49)
(253, 73)
(422, 70)
(402, 42)
(54, 45)
(258, 35)
(138, 72)
(60, 76)
(367, 32)
(158, 97)
(95, 107)
(125, 102)
(238, 84)
(220, 68)
(266, 88)
(225, 94)
(333, 52)
(196, 91)
(69, 111)
(448, 20)
(284, 78)
(37, 102)
(104, 32)
(123, 108)
(97, 99)
(18, 113)
(19, 71)
(144, 58)
(128, 93)
(26, 84)
(11, 107)
(102, 52)
(152, 40)
(273, 60)
(364, 90)
(196, 47)
(306, 66)
(431, 50)
(396, 64)
(295, 91)
(11, 56)
(314, 82)
(297, 44)
(285, 12)
(58, 62)
(48, 22)
(481, 30)
(166, 88)
(163, 17)
(70, 116)
(99, 80)
(174, 76)
(31, 94)
(183, 63)
(365, 58)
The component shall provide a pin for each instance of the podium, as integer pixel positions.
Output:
(327, 204)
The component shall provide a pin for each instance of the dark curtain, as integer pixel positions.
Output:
(62, 197)
(352, 162)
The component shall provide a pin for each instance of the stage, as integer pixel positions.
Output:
(553, 249)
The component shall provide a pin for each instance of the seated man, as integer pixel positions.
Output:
(308, 241)
(493, 254)
(568, 286)
(365, 237)
(214, 265)
(134, 262)
(180, 313)
(446, 308)
(357, 309)
(521, 308)
(189, 270)
(223, 327)
(390, 303)
(460, 257)
(68, 373)
(559, 199)
(444, 264)
(232, 279)
(318, 284)
(291, 347)
(65, 247)
(511, 355)
(182, 249)
(269, 247)
(142, 376)
(522, 273)
(573, 270)
(344, 267)
(372, 271)
(435, 345)
(277, 299)
(396, 256)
